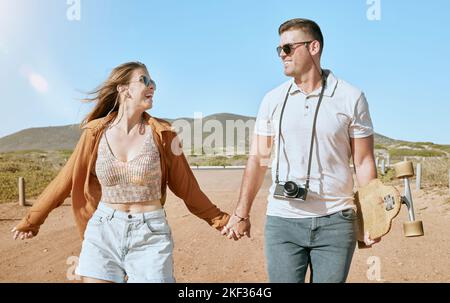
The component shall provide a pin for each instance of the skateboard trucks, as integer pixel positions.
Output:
(412, 228)
(379, 204)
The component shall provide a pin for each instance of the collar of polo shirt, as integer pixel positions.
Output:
(329, 88)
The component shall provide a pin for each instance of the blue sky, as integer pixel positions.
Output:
(219, 56)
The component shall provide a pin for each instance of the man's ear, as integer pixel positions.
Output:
(315, 47)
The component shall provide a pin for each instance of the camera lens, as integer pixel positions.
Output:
(290, 189)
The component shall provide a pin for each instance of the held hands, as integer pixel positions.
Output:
(22, 235)
(237, 227)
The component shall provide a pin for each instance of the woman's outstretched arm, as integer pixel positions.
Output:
(53, 195)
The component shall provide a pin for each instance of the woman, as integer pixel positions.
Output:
(117, 175)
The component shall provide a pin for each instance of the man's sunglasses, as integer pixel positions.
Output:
(289, 47)
(146, 80)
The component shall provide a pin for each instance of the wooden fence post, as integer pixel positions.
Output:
(418, 176)
(21, 191)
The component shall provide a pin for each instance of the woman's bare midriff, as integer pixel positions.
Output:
(136, 207)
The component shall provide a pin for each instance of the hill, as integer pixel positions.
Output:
(65, 137)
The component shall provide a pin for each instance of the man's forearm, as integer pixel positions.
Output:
(366, 171)
(251, 183)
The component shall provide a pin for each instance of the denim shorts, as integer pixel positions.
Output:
(326, 244)
(123, 247)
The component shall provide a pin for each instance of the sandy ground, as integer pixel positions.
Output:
(202, 255)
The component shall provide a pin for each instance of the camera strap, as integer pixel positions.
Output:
(324, 81)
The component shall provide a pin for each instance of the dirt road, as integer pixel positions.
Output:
(202, 255)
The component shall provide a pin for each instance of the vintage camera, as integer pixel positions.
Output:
(290, 190)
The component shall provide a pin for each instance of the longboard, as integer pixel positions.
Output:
(378, 205)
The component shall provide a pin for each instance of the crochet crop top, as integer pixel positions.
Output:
(137, 180)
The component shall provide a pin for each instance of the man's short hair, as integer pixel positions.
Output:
(308, 26)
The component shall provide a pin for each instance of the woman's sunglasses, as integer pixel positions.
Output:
(146, 80)
(289, 47)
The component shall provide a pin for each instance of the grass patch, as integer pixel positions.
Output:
(217, 160)
(403, 152)
(427, 146)
(65, 153)
(445, 148)
(212, 161)
(37, 167)
(379, 146)
(435, 171)
(388, 177)
(26, 152)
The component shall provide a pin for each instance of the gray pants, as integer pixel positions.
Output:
(325, 243)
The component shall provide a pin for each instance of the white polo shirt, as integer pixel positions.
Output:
(343, 114)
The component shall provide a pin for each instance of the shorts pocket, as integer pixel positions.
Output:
(158, 226)
(97, 219)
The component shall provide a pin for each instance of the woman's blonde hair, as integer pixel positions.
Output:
(106, 95)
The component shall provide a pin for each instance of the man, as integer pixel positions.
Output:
(319, 229)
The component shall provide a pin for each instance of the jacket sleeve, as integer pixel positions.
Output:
(54, 194)
(183, 184)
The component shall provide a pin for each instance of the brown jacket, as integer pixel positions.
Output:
(78, 176)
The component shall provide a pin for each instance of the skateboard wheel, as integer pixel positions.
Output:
(413, 229)
(404, 169)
